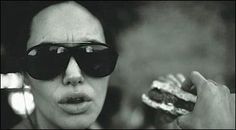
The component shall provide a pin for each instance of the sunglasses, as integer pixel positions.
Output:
(47, 60)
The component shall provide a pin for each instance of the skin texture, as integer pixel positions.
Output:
(67, 23)
(215, 106)
(70, 23)
(214, 109)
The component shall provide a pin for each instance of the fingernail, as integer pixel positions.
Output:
(195, 72)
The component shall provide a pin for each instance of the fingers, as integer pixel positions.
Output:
(188, 86)
(212, 100)
(180, 77)
(172, 78)
(197, 79)
(184, 121)
(167, 80)
(176, 80)
(162, 79)
(232, 100)
(172, 125)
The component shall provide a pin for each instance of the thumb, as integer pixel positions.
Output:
(184, 121)
(197, 79)
(187, 84)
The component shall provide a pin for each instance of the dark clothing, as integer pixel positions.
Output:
(25, 124)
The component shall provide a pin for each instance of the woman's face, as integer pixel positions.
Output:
(67, 23)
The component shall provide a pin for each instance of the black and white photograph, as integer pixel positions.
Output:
(117, 64)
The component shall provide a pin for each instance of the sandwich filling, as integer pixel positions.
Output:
(169, 98)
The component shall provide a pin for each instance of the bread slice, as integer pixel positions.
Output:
(169, 98)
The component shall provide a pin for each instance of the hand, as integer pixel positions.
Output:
(214, 107)
(166, 120)
(176, 80)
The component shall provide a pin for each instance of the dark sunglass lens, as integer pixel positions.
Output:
(46, 62)
(98, 63)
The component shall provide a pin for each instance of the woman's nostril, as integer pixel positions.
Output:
(80, 82)
(74, 81)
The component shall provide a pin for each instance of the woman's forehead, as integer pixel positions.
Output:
(65, 27)
(65, 40)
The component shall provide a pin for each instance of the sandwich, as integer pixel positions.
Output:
(169, 98)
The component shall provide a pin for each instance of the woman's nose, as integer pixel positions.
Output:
(73, 75)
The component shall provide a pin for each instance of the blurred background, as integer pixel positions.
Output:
(152, 38)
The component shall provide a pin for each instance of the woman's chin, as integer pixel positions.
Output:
(77, 122)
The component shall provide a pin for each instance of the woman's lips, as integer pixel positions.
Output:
(75, 103)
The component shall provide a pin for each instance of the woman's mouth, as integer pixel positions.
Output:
(74, 100)
(76, 103)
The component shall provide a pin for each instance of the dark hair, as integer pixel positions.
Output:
(17, 17)
(20, 14)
